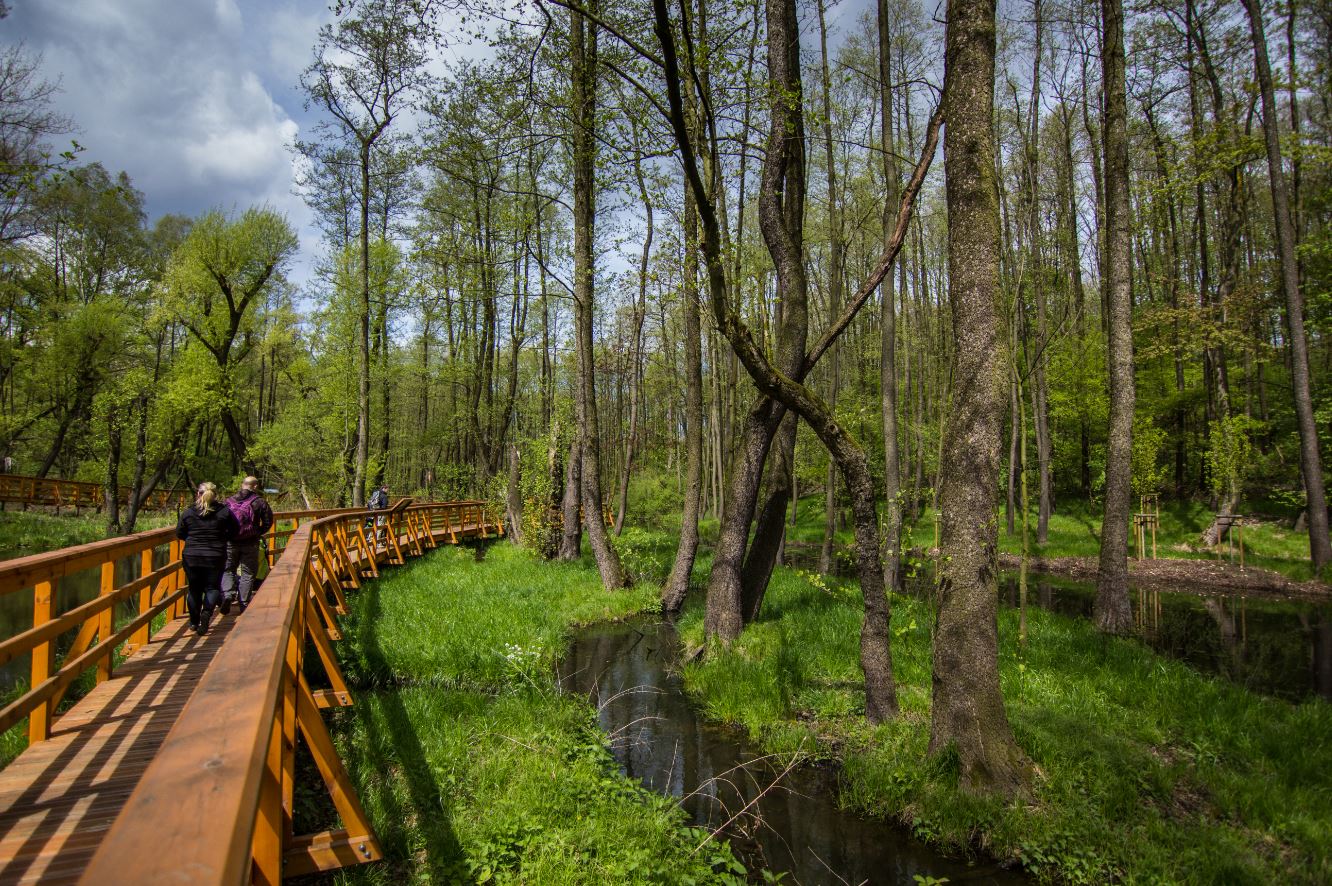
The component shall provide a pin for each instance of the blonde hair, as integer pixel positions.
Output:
(205, 497)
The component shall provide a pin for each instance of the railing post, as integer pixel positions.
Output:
(176, 551)
(106, 620)
(140, 637)
(39, 721)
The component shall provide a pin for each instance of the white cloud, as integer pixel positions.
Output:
(195, 99)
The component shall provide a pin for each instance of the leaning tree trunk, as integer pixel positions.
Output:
(1111, 611)
(968, 707)
(583, 55)
(1320, 548)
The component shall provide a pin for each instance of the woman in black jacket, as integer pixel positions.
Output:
(206, 526)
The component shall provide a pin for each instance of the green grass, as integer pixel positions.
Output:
(1075, 531)
(471, 765)
(1146, 770)
(32, 532)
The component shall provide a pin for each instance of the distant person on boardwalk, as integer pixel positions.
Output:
(205, 526)
(379, 501)
(253, 519)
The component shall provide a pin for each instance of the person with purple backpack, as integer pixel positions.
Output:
(253, 517)
(206, 530)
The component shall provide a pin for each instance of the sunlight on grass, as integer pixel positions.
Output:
(473, 767)
(1146, 770)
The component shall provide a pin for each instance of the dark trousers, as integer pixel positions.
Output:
(205, 581)
(242, 568)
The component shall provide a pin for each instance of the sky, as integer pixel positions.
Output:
(197, 100)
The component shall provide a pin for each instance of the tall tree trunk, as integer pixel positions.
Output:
(1040, 386)
(571, 539)
(677, 584)
(836, 261)
(1320, 548)
(1111, 611)
(111, 492)
(583, 55)
(781, 209)
(968, 707)
(363, 341)
(888, 320)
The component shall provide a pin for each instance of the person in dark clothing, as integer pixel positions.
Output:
(253, 519)
(379, 501)
(205, 527)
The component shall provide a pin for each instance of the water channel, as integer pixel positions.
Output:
(776, 822)
(790, 822)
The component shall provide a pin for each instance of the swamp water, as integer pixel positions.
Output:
(776, 821)
(1275, 647)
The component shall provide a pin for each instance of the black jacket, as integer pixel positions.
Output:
(263, 514)
(206, 535)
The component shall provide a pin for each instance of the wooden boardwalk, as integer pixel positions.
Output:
(133, 764)
(60, 797)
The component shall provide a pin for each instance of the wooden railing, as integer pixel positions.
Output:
(50, 492)
(219, 794)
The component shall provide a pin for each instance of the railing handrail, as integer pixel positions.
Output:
(208, 788)
(205, 781)
(21, 573)
(93, 490)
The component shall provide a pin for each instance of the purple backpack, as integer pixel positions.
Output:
(243, 511)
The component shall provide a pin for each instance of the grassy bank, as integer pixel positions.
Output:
(471, 766)
(1075, 531)
(32, 532)
(1146, 770)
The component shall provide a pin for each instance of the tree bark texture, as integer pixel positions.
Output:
(968, 707)
(583, 55)
(1311, 465)
(1111, 611)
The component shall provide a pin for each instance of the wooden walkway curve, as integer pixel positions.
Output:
(178, 765)
(56, 493)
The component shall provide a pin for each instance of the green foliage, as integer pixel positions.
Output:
(1230, 454)
(471, 765)
(1147, 771)
(1149, 474)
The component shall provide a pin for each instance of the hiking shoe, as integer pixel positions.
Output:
(204, 618)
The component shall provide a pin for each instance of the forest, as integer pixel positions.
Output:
(941, 274)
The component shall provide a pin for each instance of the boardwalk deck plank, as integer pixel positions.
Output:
(58, 798)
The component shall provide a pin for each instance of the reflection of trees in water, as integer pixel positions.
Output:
(780, 813)
(1320, 661)
(1281, 648)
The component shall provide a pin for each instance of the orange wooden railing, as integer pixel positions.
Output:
(51, 492)
(254, 701)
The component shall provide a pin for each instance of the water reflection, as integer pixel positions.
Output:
(70, 591)
(1276, 647)
(777, 820)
